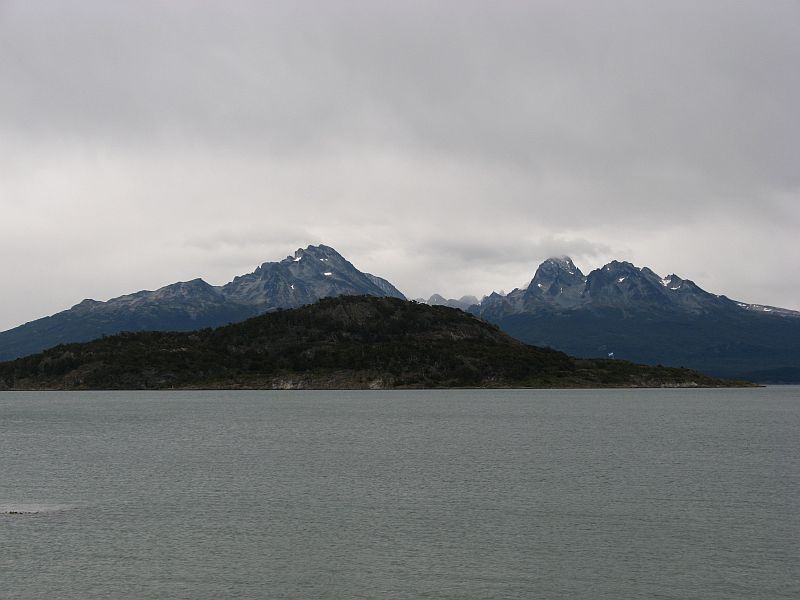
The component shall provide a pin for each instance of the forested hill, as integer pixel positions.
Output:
(348, 342)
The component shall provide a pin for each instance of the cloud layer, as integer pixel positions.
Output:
(447, 146)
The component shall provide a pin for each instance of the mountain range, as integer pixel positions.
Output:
(348, 342)
(310, 274)
(619, 310)
(630, 312)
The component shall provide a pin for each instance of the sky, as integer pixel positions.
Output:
(448, 146)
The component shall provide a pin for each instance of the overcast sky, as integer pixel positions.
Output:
(447, 146)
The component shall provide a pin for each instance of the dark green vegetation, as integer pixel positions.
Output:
(348, 342)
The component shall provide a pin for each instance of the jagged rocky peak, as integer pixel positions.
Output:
(557, 282)
(319, 252)
(621, 266)
(621, 282)
(620, 272)
(617, 271)
(311, 261)
(563, 263)
(555, 274)
(558, 267)
(623, 271)
(311, 273)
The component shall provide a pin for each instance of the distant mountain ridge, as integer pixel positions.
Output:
(618, 310)
(464, 303)
(347, 342)
(559, 284)
(633, 313)
(310, 274)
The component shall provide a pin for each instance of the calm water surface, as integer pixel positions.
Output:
(458, 494)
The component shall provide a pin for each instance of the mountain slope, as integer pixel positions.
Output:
(343, 342)
(179, 307)
(310, 274)
(639, 316)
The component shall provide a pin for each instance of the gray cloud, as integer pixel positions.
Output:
(447, 146)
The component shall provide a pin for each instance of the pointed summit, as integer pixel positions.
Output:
(562, 262)
(320, 252)
(557, 281)
(556, 272)
(310, 274)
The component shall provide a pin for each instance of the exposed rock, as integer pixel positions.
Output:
(633, 313)
(310, 274)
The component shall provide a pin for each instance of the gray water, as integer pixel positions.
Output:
(457, 494)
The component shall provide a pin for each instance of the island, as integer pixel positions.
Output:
(346, 342)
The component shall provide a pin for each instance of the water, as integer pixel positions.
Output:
(458, 494)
